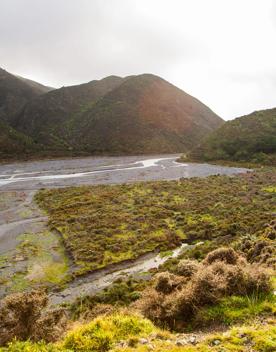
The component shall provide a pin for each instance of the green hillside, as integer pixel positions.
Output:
(137, 114)
(248, 138)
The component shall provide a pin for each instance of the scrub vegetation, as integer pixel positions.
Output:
(103, 225)
(217, 295)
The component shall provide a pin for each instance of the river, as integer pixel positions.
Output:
(21, 215)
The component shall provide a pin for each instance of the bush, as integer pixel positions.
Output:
(167, 282)
(23, 316)
(227, 255)
(102, 333)
(187, 268)
(170, 303)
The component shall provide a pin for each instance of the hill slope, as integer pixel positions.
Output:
(14, 94)
(14, 143)
(248, 138)
(40, 88)
(137, 114)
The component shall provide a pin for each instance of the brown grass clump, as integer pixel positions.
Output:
(187, 268)
(98, 309)
(167, 282)
(23, 316)
(171, 304)
(227, 255)
(50, 326)
(263, 249)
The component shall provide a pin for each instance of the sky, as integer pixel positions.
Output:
(222, 52)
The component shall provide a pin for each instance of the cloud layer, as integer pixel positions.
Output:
(223, 52)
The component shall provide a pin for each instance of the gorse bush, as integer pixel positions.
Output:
(23, 316)
(102, 333)
(174, 300)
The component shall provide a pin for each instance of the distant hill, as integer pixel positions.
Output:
(15, 92)
(40, 88)
(136, 114)
(247, 138)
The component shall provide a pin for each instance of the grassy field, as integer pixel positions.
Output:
(102, 225)
(132, 333)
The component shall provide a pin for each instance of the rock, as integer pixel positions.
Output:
(143, 341)
(19, 258)
(182, 342)
(216, 342)
(193, 340)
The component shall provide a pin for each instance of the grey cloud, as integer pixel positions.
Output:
(63, 42)
(75, 41)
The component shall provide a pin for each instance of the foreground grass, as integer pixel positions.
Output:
(236, 309)
(102, 225)
(121, 332)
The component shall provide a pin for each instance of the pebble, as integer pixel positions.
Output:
(193, 340)
(216, 342)
(143, 341)
(181, 342)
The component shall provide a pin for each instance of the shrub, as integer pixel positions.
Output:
(169, 303)
(167, 282)
(22, 316)
(227, 255)
(187, 268)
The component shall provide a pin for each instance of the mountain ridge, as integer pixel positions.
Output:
(106, 113)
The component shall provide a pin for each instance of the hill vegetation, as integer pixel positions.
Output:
(15, 92)
(14, 143)
(249, 138)
(134, 115)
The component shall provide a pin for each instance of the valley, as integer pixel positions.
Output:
(32, 253)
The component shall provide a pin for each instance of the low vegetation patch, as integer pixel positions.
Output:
(102, 225)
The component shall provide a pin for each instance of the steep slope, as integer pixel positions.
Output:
(138, 114)
(14, 94)
(49, 118)
(146, 114)
(40, 88)
(248, 138)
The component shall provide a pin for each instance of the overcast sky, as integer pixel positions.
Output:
(221, 51)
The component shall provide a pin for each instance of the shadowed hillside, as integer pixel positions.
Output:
(137, 114)
(15, 92)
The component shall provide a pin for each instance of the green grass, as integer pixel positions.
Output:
(44, 263)
(237, 309)
(104, 333)
(102, 225)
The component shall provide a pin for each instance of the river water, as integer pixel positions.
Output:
(102, 170)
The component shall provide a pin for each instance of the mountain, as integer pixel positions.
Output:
(136, 114)
(15, 93)
(247, 138)
(50, 118)
(40, 88)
